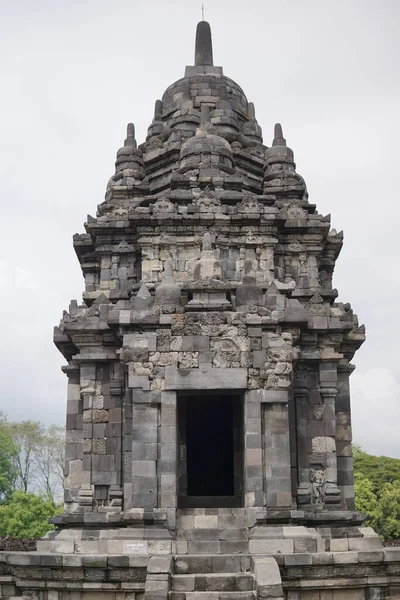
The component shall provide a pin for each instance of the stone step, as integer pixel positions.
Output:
(218, 547)
(185, 564)
(211, 511)
(218, 519)
(212, 595)
(213, 582)
(228, 534)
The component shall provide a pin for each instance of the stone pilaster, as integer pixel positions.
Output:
(145, 422)
(332, 492)
(323, 460)
(114, 431)
(168, 463)
(277, 449)
(74, 439)
(302, 407)
(87, 392)
(101, 437)
(253, 455)
(344, 435)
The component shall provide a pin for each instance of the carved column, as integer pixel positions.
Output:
(332, 492)
(344, 435)
(276, 423)
(101, 437)
(325, 445)
(114, 431)
(73, 469)
(90, 449)
(85, 495)
(301, 399)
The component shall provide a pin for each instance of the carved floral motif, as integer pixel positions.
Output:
(249, 204)
(296, 212)
(316, 305)
(207, 199)
(117, 212)
(296, 247)
(163, 204)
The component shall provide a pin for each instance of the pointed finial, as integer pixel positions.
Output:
(279, 140)
(130, 135)
(158, 110)
(203, 55)
(143, 292)
(202, 11)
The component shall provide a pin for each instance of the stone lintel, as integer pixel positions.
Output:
(267, 396)
(99, 356)
(205, 378)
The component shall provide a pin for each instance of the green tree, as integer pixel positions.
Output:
(380, 470)
(365, 498)
(48, 463)
(377, 491)
(8, 453)
(26, 436)
(387, 520)
(39, 458)
(26, 516)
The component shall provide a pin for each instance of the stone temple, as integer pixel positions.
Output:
(208, 450)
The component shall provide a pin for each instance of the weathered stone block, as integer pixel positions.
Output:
(271, 546)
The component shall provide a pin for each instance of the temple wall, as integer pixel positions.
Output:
(122, 416)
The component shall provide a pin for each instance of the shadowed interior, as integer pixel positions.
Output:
(210, 448)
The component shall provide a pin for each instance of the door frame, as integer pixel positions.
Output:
(233, 501)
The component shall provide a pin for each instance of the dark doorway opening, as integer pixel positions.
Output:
(211, 449)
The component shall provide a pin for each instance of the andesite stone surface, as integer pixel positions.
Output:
(208, 282)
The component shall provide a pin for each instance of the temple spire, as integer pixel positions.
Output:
(279, 140)
(203, 53)
(130, 136)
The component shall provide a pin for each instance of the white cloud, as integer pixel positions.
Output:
(25, 280)
(376, 411)
(75, 73)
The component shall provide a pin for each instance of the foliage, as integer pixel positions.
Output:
(377, 491)
(31, 475)
(365, 499)
(387, 520)
(26, 516)
(26, 435)
(48, 462)
(8, 452)
(380, 470)
(38, 458)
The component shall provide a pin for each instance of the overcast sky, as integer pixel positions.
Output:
(74, 73)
